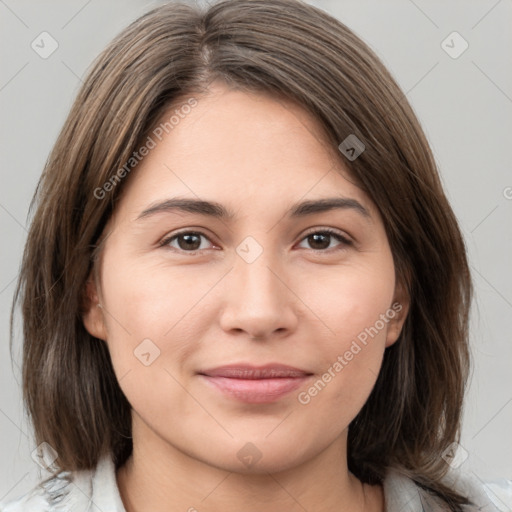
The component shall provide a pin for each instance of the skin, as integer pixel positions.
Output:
(298, 303)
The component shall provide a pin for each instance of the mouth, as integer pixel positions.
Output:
(255, 384)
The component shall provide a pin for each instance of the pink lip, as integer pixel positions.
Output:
(255, 384)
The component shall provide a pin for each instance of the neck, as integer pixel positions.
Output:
(159, 477)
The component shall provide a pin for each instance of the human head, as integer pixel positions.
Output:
(259, 47)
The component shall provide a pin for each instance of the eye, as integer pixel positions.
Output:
(320, 240)
(187, 241)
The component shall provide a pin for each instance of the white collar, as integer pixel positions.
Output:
(75, 492)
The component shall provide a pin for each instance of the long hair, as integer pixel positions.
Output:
(289, 49)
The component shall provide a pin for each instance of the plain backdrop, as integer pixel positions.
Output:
(464, 103)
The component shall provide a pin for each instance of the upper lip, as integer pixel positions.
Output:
(248, 371)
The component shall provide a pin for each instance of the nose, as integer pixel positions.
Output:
(258, 300)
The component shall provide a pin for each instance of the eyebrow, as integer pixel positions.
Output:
(217, 210)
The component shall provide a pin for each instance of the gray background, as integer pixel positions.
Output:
(464, 104)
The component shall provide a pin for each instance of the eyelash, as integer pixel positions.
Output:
(326, 231)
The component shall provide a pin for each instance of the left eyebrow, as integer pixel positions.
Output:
(217, 210)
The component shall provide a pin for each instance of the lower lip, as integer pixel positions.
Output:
(256, 391)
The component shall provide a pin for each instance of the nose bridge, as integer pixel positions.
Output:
(255, 270)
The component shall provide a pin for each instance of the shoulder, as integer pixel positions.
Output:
(402, 493)
(76, 491)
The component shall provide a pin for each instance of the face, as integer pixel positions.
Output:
(183, 292)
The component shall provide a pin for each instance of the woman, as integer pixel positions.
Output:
(243, 287)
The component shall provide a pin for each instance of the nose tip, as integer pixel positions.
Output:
(257, 301)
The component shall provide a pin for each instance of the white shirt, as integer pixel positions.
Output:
(96, 490)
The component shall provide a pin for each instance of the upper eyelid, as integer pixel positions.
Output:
(332, 231)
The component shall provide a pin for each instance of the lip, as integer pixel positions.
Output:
(255, 384)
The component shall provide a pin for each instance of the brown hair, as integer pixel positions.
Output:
(289, 49)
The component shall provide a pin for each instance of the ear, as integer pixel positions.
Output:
(397, 313)
(92, 312)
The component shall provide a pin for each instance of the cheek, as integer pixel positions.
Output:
(158, 302)
(154, 293)
(151, 316)
(349, 299)
(132, 305)
(353, 308)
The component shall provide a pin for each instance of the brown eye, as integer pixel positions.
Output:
(321, 240)
(187, 241)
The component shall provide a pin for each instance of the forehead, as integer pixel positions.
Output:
(243, 149)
